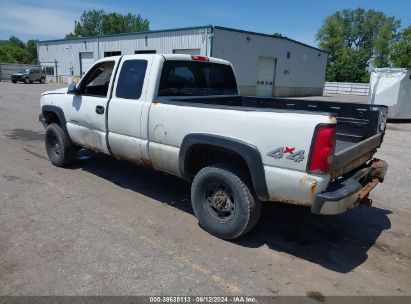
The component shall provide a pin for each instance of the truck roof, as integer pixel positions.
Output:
(173, 57)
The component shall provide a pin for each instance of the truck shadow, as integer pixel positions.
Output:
(338, 243)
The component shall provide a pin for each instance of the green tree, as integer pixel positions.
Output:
(114, 23)
(88, 25)
(16, 42)
(31, 47)
(356, 38)
(383, 42)
(14, 50)
(97, 22)
(278, 35)
(350, 66)
(400, 54)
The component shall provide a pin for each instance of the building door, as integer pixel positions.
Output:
(86, 61)
(266, 76)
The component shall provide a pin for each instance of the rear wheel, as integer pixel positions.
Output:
(60, 149)
(223, 203)
(27, 81)
(42, 80)
(13, 81)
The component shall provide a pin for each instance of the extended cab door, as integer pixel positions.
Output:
(125, 109)
(86, 114)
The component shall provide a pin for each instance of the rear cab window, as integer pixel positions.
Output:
(196, 78)
(131, 79)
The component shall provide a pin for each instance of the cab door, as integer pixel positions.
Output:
(33, 75)
(124, 116)
(86, 113)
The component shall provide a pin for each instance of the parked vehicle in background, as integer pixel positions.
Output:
(183, 115)
(29, 76)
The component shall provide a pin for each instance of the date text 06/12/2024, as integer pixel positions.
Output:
(202, 299)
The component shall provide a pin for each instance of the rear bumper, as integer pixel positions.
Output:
(349, 193)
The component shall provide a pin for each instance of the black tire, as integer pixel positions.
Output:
(42, 80)
(59, 147)
(223, 203)
(14, 81)
(27, 80)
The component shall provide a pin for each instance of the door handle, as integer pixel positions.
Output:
(100, 110)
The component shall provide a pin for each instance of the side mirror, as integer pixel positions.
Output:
(72, 88)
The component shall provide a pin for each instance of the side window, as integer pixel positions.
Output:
(49, 70)
(131, 79)
(97, 80)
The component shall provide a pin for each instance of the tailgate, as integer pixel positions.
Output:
(359, 134)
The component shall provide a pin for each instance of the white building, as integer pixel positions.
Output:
(265, 65)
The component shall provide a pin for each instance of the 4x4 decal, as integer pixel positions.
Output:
(278, 153)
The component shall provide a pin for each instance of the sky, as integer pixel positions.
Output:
(299, 20)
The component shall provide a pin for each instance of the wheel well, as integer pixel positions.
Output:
(201, 155)
(51, 117)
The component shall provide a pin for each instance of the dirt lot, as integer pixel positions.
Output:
(106, 227)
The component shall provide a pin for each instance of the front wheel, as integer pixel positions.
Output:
(59, 147)
(27, 81)
(223, 203)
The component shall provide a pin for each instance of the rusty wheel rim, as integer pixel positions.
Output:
(219, 201)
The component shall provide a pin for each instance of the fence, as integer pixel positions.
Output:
(347, 88)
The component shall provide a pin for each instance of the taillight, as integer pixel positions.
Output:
(323, 149)
(199, 58)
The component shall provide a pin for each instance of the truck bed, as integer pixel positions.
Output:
(359, 133)
(359, 130)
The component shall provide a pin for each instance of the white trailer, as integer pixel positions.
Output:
(392, 87)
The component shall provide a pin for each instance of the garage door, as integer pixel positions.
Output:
(86, 61)
(187, 51)
(266, 76)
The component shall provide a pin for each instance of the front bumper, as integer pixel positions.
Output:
(17, 78)
(350, 192)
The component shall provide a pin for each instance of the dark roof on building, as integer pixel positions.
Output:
(182, 29)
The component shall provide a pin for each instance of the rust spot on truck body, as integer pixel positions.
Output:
(331, 119)
(313, 186)
(308, 183)
(148, 163)
(275, 199)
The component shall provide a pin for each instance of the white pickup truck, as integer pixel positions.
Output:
(183, 115)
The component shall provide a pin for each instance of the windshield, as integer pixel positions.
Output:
(194, 78)
(24, 71)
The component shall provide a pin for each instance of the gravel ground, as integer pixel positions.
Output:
(106, 227)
